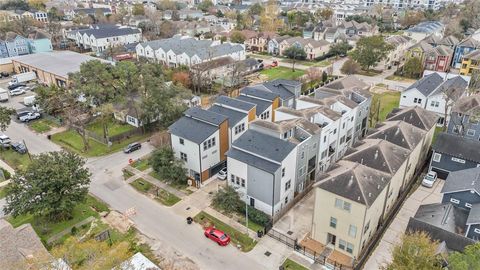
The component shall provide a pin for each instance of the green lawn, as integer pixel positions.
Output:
(162, 195)
(72, 141)
(182, 187)
(388, 101)
(14, 159)
(312, 63)
(282, 73)
(46, 229)
(399, 78)
(114, 127)
(126, 174)
(3, 192)
(236, 237)
(42, 125)
(291, 265)
(141, 164)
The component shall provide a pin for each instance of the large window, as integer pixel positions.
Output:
(183, 156)
(437, 157)
(288, 184)
(352, 231)
(208, 143)
(239, 128)
(333, 222)
(343, 205)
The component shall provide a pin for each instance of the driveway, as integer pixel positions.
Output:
(392, 236)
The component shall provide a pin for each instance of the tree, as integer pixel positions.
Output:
(340, 48)
(324, 76)
(138, 9)
(417, 251)
(168, 167)
(256, 9)
(468, 260)
(205, 5)
(413, 68)
(411, 17)
(51, 186)
(5, 117)
(324, 14)
(182, 78)
(359, 19)
(237, 37)
(269, 19)
(228, 200)
(15, 5)
(370, 51)
(37, 4)
(295, 52)
(92, 254)
(350, 67)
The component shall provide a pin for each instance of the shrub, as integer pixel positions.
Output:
(6, 174)
(258, 216)
(228, 200)
(74, 230)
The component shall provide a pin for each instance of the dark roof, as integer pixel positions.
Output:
(235, 103)
(354, 181)
(113, 31)
(469, 105)
(457, 146)
(206, 116)
(474, 214)
(452, 88)
(262, 105)
(416, 116)
(399, 133)
(233, 116)
(263, 94)
(253, 160)
(427, 84)
(468, 179)
(264, 145)
(192, 130)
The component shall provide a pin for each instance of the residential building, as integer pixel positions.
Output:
(462, 188)
(100, 38)
(188, 51)
(286, 90)
(260, 169)
(425, 29)
(16, 45)
(419, 51)
(259, 42)
(435, 94)
(453, 153)
(313, 48)
(39, 42)
(356, 194)
(464, 118)
(395, 57)
(273, 46)
(13, 15)
(438, 58)
(470, 62)
(81, 12)
(465, 47)
(350, 31)
(200, 140)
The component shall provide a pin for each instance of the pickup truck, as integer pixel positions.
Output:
(30, 116)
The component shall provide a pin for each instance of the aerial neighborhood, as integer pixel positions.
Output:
(219, 134)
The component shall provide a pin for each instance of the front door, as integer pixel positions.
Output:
(331, 239)
(252, 202)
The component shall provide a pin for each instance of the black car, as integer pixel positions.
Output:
(15, 86)
(19, 147)
(4, 74)
(132, 147)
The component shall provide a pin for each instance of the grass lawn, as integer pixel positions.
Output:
(182, 187)
(141, 164)
(114, 127)
(291, 265)
(236, 237)
(240, 217)
(14, 159)
(3, 192)
(399, 78)
(42, 125)
(72, 141)
(282, 73)
(162, 195)
(369, 72)
(46, 229)
(126, 174)
(312, 63)
(388, 101)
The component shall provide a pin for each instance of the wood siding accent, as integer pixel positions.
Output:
(204, 176)
(275, 105)
(223, 134)
(252, 114)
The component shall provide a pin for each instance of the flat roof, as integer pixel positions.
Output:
(60, 63)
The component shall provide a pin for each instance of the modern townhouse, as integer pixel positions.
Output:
(200, 140)
(260, 169)
(453, 153)
(438, 58)
(434, 94)
(355, 195)
(39, 42)
(396, 56)
(15, 45)
(82, 12)
(101, 38)
(425, 29)
(419, 51)
(350, 31)
(313, 48)
(464, 117)
(449, 41)
(462, 188)
(186, 51)
(287, 90)
(465, 47)
(266, 102)
(470, 63)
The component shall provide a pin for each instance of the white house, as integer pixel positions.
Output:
(100, 38)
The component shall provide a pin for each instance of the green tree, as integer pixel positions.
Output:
(417, 251)
(237, 37)
(5, 117)
(370, 51)
(51, 186)
(205, 5)
(324, 14)
(359, 19)
(350, 67)
(228, 200)
(340, 48)
(413, 67)
(324, 76)
(295, 53)
(256, 9)
(468, 260)
(168, 167)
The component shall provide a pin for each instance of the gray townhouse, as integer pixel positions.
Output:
(287, 90)
(462, 188)
(465, 118)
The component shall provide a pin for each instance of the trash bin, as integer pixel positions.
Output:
(260, 233)
(49, 136)
(189, 220)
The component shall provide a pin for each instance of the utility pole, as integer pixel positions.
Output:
(28, 152)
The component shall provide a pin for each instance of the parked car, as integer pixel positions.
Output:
(23, 112)
(132, 147)
(5, 140)
(274, 63)
(17, 91)
(218, 236)
(17, 85)
(4, 74)
(429, 179)
(30, 116)
(222, 174)
(19, 147)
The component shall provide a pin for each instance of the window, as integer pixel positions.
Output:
(347, 206)
(286, 200)
(288, 184)
(454, 200)
(458, 160)
(181, 141)
(338, 203)
(349, 248)
(468, 205)
(333, 222)
(324, 154)
(283, 172)
(476, 230)
(239, 128)
(352, 231)
(417, 100)
(303, 155)
(434, 104)
(470, 132)
(343, 126)
(342, 205)
(208, 143)
(324, 138)
(367, 226)
(183, 156)
(243, 182)
(437, 157)
(342, 139)
(232, 178)
(335, 131)
(265, 115)
(342, 244)
(237, 180)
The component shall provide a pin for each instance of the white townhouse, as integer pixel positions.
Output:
(186, 51)
(100, 38)
(435, 94)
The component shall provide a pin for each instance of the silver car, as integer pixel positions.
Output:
(429, 179)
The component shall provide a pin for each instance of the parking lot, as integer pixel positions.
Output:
(15, 102)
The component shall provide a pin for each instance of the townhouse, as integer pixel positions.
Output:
(14, 45)
(464, 117)
(102, 37)
(313, 48)
(349, 31)
(353, 198)
(9, 16)
(438, 58)
(186, 51)
(435, 94)
(418, 50)
(470, 63)
(81, 12)
(273, 46)
(396, 56)
(465, 47)
(259, 42)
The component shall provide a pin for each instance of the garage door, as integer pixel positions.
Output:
(442, 174)
(215, 169)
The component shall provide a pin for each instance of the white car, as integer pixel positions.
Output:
(222, 174)
(17, 91)
(5, 140)
(429, 179)
(30, 116)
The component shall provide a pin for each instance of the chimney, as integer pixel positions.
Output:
(376, 155)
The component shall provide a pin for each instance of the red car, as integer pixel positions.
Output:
(218, 236)
(274, 63)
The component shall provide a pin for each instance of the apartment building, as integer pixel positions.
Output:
(355, 195)
(13, 15)
(181, 50)
(101, 37)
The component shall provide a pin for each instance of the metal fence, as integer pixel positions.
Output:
(290, 242)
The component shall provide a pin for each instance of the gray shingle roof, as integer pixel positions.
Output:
(262, 105)
(457, 146)
(192, 129)
(469, 105)
(453, 88)
(474, 214)
(233, 116)
(427, 84)
(399, 133)
(236, 103)
(258, 92)
(445, 216)
(468, 179)
(206, 116)
(427, 27)
(252, 160)
(416, 116)
(264, 145)
(114, 31)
